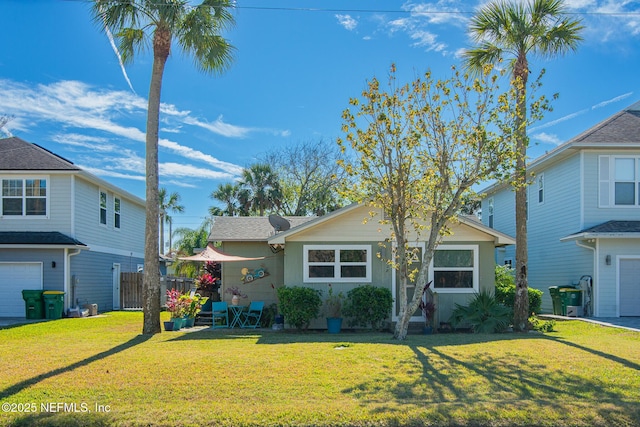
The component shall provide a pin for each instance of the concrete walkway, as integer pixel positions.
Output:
(630, 323)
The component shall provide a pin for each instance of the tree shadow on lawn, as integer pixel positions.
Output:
(17, 388)
(449, 387)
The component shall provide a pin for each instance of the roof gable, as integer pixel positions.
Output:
(17, 154)
(621, 128)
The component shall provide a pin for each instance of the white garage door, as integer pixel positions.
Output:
(14, 277)
(630, 287)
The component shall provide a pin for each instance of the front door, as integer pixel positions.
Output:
(629, 287)
(116, 286)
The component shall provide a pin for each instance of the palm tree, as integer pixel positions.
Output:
(188, 241)
(196, 30)
(517, 29)
(227, 194)
(263, 186)
(170, 204)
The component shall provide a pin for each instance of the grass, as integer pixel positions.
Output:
(107, 374)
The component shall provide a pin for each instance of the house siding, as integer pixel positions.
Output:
(52, 277)
(92, 278)
(606, 288)
(259, 289)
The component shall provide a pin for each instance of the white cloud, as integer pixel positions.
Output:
(347, 21)
(547, 138)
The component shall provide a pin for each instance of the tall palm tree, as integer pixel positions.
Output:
(264, 189)
(227, 194)
(139, 24)
(515, 29)
(166, 205)
(188, 241)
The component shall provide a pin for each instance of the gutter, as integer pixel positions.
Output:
(67, 276)
(596, 274)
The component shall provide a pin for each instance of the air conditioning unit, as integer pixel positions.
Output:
(574, 311)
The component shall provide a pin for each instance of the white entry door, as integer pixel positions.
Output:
(116, 286)
(629, 287)
(14, 278)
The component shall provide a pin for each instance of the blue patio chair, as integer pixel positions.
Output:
(220, 311)
(252, 315)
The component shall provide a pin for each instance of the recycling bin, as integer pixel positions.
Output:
(555, 299)
(33, 304)
(53, 304)
(570, 297)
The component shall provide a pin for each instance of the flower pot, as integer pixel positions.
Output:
(177, 323)
(427, 330)
(235, 299)
(334, 324)
(168, 326)
(189, 322)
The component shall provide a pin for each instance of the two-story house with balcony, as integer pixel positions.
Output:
(583, 215)
(64, 229)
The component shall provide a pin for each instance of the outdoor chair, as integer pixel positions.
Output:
(253, 314)
(220, 312)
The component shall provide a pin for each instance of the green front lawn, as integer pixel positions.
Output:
(100, 371)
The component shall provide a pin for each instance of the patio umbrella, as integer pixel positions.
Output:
(213, 254)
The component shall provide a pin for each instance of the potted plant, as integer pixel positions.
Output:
(333, 311)
(428, 308)
(208, 282)
(236, 294)
(176, 306)
(192, 306)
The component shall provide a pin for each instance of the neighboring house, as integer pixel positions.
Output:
(63, 229)
(341, 249)
(583, 215)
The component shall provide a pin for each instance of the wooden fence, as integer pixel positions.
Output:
(131, 289)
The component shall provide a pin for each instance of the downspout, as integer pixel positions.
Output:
(596, 276)
(67, 276)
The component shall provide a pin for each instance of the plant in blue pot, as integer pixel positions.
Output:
(333, 311)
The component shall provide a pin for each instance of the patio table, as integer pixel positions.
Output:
(236, 312)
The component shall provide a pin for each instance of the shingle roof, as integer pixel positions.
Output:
(615, 227)
(621, 128)
(37, 238)
(17, 154)
(248, 228)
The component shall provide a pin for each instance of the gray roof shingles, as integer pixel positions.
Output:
(37, 238)
(248, 228)
(17, 154)
(621, 128)
(614, 227)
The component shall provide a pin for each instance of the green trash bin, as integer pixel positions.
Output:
(570, 296)
(33, 306)
(555, 299)
(53, 304)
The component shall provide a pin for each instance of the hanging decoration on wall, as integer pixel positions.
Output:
(249, 275)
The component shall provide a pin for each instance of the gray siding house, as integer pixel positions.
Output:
(341, 249)
(63, 229)
(583, 215)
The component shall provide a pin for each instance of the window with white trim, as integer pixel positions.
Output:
(116, 212)
(619, 181)
(337, 263)
(24, 197)
(540, 181)
(454, 269)
(491, 212)
(103, 208)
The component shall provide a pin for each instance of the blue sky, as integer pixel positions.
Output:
(297, 64)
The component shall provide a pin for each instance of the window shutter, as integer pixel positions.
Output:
(604, 181)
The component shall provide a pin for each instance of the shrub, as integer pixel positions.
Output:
(484, 314)
(542, 325)
(506, 290)
(299, 305)
(368, 306)
(268, 316)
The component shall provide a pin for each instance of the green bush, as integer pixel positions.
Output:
(299, 305)
(368, 306)
(542, 325)
(268, 316)
(484, 314)
(506, 290)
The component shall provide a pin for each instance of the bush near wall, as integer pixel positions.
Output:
(506, 290)
(299, 305)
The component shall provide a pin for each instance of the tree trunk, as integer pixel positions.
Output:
(151, 278)
(521, 301)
